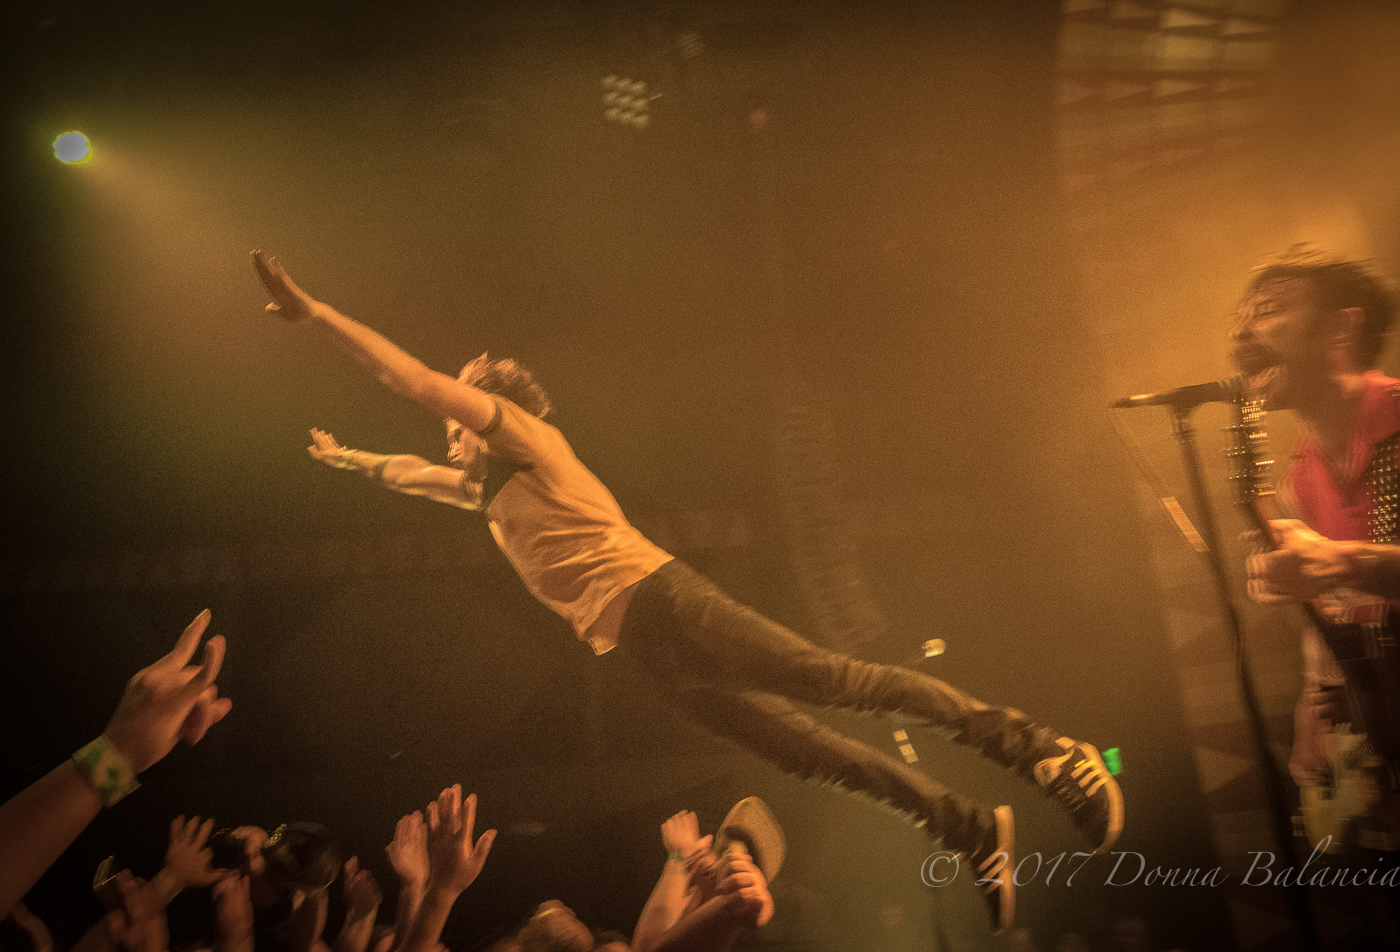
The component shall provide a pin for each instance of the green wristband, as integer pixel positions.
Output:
(674, 857)
(107, 770)
(347, 460)
(167, 885)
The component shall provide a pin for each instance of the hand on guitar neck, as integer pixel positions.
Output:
(1295, 564)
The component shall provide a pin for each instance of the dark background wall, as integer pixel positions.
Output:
(891, 238)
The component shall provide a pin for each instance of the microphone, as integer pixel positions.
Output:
(1225, 390)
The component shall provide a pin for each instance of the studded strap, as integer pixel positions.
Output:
(1383, 478)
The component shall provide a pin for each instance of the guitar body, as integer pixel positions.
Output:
(1370, 662)
(1359, 805)
(1346, 810)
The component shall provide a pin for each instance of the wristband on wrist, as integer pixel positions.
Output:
(674, 857)
(347, 459)
(370, 913)
(110, 773)
(167, 885)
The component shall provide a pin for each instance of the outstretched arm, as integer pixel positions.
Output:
(392, 366)
(400, 472)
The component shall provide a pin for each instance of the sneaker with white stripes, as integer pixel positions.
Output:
(1080, 780)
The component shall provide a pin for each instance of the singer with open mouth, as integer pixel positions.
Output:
(1307, 337)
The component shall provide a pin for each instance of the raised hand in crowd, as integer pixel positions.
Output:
(455, 859)
(362, 899)
(680, 835)
(408, 854)
(233, 914)
(303, 931)
(701, 902)
(168, 701)
(687, 879)
(743, 901)
(743, 883)
(138, 923)
(188, 860)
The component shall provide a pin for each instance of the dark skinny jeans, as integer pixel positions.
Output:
(738, 673)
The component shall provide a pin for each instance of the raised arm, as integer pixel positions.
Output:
(136, 924)
(362, 899)
(170, 700)
(302, 932)
(680, 836)
(391, 365)
(743, 901)
(188, 859)
(455, 861)
(408, 854)
(233, 914)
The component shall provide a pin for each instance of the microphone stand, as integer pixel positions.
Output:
(1280, 814)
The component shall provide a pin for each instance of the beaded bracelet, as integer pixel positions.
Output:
(107, 770)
